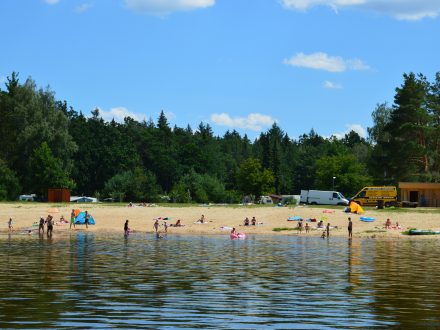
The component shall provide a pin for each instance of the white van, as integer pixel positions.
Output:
(265, 200)
(316, 197)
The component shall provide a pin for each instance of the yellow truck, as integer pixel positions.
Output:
(372, 195)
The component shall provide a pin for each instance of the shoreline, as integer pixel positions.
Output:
(110, 219)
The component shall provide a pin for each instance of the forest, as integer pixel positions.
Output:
(45, 143)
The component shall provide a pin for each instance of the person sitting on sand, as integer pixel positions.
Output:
(398, 226)
(321, 224)
(388, 224)
(178, 223)
(254, 221)
(246, 221)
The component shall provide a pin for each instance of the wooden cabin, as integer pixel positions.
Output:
(424, 193)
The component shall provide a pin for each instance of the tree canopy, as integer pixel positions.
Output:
(46, 143)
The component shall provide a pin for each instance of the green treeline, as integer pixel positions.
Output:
(45, 143)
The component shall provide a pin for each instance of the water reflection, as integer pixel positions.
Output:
(85, 280)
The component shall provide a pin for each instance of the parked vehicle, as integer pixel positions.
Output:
(315, 197)
(265, 200)
(374, 195)
(27, 198)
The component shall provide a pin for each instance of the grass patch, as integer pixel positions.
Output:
(284, 229)
(375, 231)
(406, 232)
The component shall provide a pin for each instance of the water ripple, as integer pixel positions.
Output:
(93, 281)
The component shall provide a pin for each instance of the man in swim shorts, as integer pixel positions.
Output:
(350, 228)
(86, 219)
(41, 225)
(49, 225)
(72, 219)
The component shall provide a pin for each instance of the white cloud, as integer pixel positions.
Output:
(83, 7)
(400, 9)
(51, 2)
(322, 61)
(164, 7)
(352, 127)
(332, 85)
(118, 114)
(254, 121)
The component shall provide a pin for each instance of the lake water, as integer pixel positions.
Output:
(99, 281)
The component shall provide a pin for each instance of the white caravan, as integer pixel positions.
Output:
(315, 197)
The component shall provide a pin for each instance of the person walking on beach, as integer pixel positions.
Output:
(86, 219)
(156, 225)
(10, 224)
(307, 227)
(126, 229)
(41, 225)
(49, 225)
(350, 228)
(327, 229)
(72, 219)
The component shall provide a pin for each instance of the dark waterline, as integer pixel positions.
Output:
(88, 280)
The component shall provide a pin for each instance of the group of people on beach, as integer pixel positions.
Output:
(156, 226)
(252, 222)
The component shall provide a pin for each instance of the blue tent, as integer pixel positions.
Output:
(81, 219)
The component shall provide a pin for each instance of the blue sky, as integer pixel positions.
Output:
(235, 64)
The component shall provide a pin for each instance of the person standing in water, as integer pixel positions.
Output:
(86, 219)
(327, 229)
(126, 229)
(49, 225)
(156, 225)
(41, 225)
(72, 219)
(350, 228)
(10, 224)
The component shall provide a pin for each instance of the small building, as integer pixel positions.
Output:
(58, 195)
(424, 193)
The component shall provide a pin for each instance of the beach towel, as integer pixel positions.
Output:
(295, 218)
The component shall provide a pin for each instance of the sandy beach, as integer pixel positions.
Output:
(219, 219)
